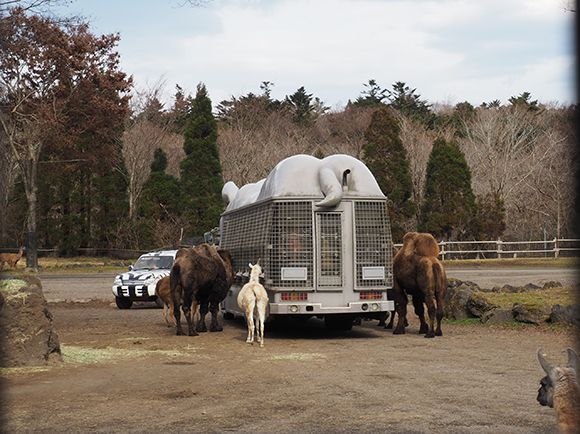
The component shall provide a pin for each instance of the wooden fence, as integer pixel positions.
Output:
(555, 248)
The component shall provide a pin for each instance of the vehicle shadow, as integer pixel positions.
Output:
(312, 328)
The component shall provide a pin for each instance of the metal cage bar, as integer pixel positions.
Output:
(373, 243)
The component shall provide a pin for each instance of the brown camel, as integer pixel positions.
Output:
(163, 291)
(418, 272)
(201, 273)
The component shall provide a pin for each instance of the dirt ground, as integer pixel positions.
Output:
(125, 371)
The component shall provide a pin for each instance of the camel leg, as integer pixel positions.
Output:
(430, 300)
(401, 307)
(383, 320)
(215, 325)
(165, 309)
(391, 321)
(203, 310)
(439, 299)
(188, 304)
(420, 312)
(176, 311)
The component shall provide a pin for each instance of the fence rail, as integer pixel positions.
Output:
(498, 249)
(555, 248)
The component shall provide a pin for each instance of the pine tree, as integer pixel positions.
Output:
(201, 177)
(304, 107)
(162, 200)
(449, 207)
(525, 100)
(409, 103)
(372, 96)
(386, 157)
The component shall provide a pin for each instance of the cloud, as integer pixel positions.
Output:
(446, 48)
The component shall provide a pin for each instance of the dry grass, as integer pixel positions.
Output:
(547, 297)
(85, 355)
(10, 289)
(515, 262)
(78, 265)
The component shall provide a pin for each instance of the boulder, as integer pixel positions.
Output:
(477, 305)
(569, 315)
(531, 314)
(531, 287)
(26, 327)
(510, 288)
(456, 300)
(552, 284)
(497, 316)
(456, 283)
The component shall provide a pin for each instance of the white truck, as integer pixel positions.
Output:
(321, 231)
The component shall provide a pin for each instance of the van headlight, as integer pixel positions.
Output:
(117, 281)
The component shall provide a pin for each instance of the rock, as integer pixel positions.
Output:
(510, 288)
(569, 315)
(552, 284)
(477, 305)
(455, 283)
(531, 287)
(452, 282)
(531, 314)
(497, 316)
(456, 302)
(26, 326)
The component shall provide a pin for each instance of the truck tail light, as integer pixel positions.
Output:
(294, 296)
(371, 295)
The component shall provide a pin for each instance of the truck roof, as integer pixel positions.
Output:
(307, 176)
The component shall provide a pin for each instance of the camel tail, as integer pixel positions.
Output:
(440, 279)
(174, 277)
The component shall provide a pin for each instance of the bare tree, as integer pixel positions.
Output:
(36, 6)
(147, 129)
(172, 145)
(8, 174)
(344, 131)
(139, 142)
(517, 155)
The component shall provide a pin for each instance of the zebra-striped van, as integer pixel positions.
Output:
(138, 284)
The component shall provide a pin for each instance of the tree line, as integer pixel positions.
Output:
(89, 161)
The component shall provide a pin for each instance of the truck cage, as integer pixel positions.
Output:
(300, 246)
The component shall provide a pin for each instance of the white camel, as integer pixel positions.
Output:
(253, 299)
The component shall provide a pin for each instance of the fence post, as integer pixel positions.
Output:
(442, 250)
(499, 249)
(556, 249)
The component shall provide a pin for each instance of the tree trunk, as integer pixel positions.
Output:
(31, 244)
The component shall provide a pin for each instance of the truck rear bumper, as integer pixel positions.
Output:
(359, 307)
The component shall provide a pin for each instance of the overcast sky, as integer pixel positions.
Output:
(450, 50)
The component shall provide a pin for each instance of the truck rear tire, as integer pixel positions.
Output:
(123, 303)
(338, 322)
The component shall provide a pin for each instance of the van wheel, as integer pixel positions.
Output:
(228, 315)
(123, 303)
(338, 322)
(159, 302)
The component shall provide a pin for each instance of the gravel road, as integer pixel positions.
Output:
(98, 285)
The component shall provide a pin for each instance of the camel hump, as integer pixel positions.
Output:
(426, 245)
